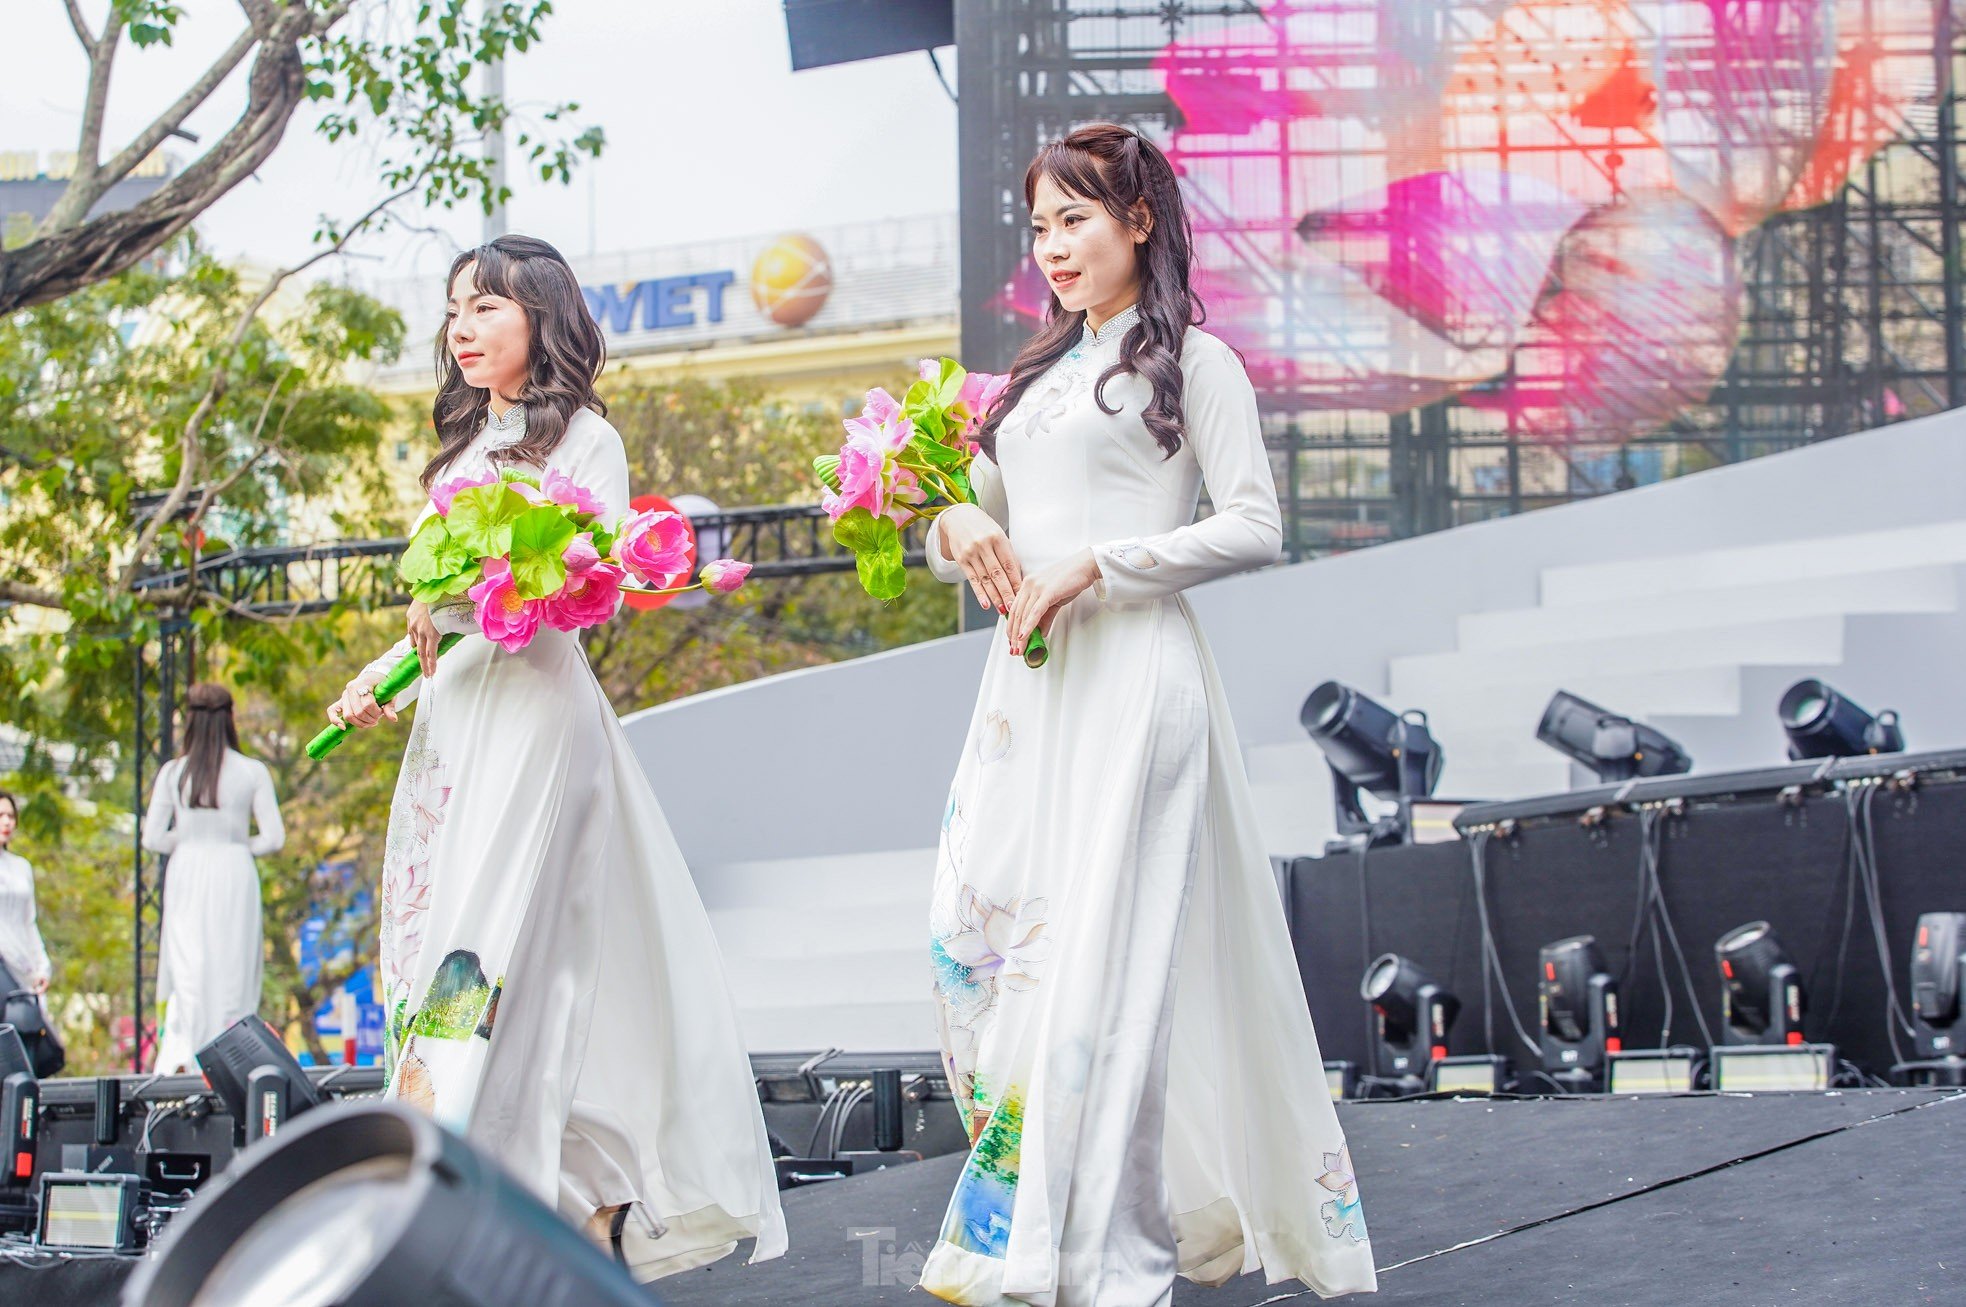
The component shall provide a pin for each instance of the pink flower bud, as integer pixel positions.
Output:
(724, 575)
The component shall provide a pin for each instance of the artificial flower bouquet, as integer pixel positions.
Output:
(526, 551)
(904, 461)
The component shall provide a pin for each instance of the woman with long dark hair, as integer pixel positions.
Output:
(202, 812)
(1100, 839)
(552, 987)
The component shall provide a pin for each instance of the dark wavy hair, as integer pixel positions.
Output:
(563, 360)
(208, 732)
(1125, 173)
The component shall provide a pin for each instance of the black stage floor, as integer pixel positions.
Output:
(1841, 1198)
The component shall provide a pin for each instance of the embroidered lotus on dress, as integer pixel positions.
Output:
(1138, 556)
(1344, 1215)
(993, 742)
(1003, 943)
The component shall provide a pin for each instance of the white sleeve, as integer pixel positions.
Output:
(158, 836)
(38, 961)
(986, 481)
(594, 457)
(272, 836)
(1246, 530)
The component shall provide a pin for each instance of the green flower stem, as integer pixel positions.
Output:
(399, 679)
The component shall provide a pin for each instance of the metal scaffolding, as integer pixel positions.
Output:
(1849, 317)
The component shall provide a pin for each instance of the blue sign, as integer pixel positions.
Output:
(662, 302)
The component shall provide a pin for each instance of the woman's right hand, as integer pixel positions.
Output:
(973, 541)
(423, 634)
(357, 705)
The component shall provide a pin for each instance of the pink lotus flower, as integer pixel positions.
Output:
(981, 391)
(507, 620)
(589, 598)
(442, 495)
(559, 488)
(655, 547)
(724, 575)
(862, 464)
(581, 554)
(907, 490)
(880, 405)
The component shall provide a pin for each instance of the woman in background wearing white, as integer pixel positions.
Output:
(202, 811)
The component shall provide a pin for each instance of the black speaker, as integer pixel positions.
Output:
(826, 32)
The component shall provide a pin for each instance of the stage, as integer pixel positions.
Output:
(1836, 1198)
(1830, 1198)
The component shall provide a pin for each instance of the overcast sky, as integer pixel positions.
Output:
(710, 133)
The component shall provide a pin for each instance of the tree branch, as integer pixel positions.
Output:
(190, 448)
(81, 26)
(18, 592)
(88, 150)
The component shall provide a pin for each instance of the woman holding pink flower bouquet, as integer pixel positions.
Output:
(549, 972)
(1099, 840)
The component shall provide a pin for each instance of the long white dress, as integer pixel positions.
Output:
(21, 946)
(554, 991)
(210, 954)
(1099, 841)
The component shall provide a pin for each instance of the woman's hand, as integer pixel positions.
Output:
(972, 539)
(423, 634)
(40, 985)
(1047, 590)
(357, 705)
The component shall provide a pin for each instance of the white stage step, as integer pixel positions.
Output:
(1755, 565)
(1926, 589)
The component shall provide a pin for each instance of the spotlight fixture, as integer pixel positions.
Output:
(1369, 747)
(1824, 724)
(260, 1082)
(1615, 748)
(1652, 1071)
(89, 1212)
(1761, 991)
(1578, 998)
(1938, 1016)
(20, 1120)
(1773, 1068)
(1414, 1016)
(1482, 1074)
(371, 1203)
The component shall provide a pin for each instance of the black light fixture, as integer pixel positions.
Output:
(1370, 748)
(20, 1119)
(1822, 723)
(1938, 1016)
(1614, 747)
(1578, 998)
(1761, 990)
(258, 1079)
(371, 1203)
(1414, 1015)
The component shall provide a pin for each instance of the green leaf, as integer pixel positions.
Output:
(433, 555)
(445, 586)
(481, 519)
(877, 552)
(539, 540)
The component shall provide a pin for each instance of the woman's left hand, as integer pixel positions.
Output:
(1047, 590)
(41, 985)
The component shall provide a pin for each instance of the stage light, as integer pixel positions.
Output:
(1651, 1071)
(1938, 1017)
(1761, 991)
(260, 1082)
(1578, 998)
(82, 1211)
(1823, 724)
(373, 1203)
(1414, 1017)
(1370, 748)
(1615, 748)
(1474, 1073)
(1341, 1080)
(20, 1118)
(1764, 1068)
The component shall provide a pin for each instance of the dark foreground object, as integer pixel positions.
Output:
(1832, 1199)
